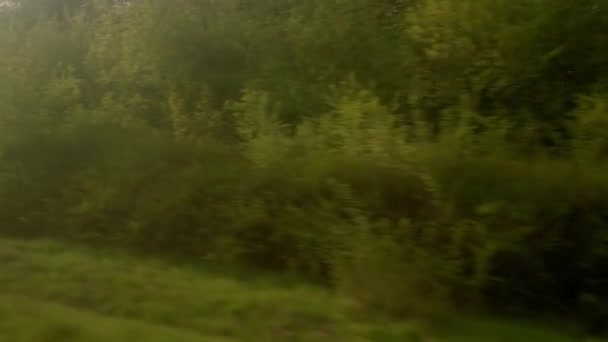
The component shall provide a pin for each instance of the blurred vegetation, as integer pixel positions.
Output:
(61, 292)
(417, 156)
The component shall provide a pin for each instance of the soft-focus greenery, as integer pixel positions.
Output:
(416, 156)
(62, 292)
(27, 320)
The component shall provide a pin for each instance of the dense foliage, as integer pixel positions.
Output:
(413, 154)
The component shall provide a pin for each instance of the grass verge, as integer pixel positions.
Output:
(57, 292)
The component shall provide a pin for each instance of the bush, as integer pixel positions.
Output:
(407, 228)
(545, 218)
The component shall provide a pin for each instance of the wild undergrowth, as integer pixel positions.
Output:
(417, 157)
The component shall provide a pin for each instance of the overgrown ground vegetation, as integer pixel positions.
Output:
(57, 292)
(415, 156)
